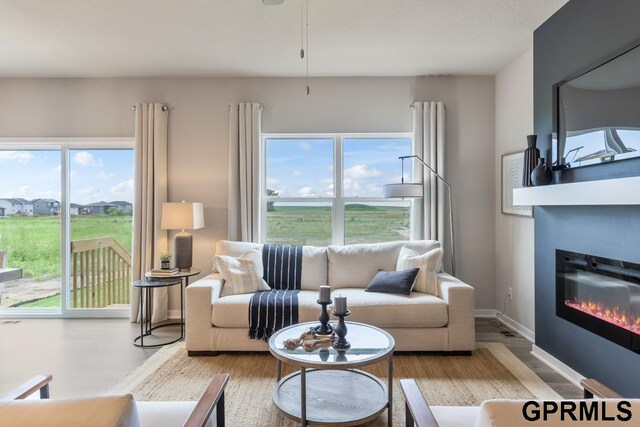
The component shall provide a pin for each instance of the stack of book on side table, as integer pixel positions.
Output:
(157, 272)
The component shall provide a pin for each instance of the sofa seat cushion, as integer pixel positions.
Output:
(395, 311)
(168, 414)
(232, 311)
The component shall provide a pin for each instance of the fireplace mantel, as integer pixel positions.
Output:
(619, 191)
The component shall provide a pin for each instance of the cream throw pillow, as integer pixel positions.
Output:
(243, 274)
(429, 264)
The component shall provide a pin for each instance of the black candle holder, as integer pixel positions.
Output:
(324, 328)
(324, 354)
(341, 331)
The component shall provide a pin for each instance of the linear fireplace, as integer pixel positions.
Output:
(601, 295)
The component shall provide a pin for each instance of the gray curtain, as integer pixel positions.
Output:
(429, 142)
(244, 172)
(150, 191)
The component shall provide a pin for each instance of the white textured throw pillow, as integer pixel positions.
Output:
(429, 264)
(242, 275)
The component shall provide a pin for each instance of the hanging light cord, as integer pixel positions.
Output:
(301, 29)
(307, 42)
(304, 37)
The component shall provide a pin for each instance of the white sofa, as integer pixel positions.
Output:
(419, 322)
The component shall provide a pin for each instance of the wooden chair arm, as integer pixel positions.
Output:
(417, 409)
(37, 383)
(594, 388)
(213, 397)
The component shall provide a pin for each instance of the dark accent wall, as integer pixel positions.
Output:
(581, 34)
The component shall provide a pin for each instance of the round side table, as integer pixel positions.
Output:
(147, 287)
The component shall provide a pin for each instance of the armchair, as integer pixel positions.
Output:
(100, 410)
(499, 413)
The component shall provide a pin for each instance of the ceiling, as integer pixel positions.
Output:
(123, 38)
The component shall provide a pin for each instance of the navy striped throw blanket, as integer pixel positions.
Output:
(272, 310)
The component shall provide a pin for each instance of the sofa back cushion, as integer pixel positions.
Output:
(354, 266)
(314, 261)
(511, 413)
(103, 411)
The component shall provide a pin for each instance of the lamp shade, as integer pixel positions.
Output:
(182, 216)
(412, 190)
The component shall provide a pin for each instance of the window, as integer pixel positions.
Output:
(319, 190)
(66, 222)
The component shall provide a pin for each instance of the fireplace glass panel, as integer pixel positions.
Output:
(601, 295)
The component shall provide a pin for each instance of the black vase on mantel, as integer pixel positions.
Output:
(541, 175)
(531, 156)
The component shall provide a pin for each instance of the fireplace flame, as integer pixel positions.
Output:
(613, 315)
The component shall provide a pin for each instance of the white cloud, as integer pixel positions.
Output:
(124, 188)
(306, 192)
(86, 191)
(24, 190)
(84, 158)
(58, 169)
(305, 145)
(297, 173)
(104, 175)
(361, 172)
(20, 156)
(272, 181)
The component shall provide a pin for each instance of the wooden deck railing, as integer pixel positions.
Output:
(100, 273)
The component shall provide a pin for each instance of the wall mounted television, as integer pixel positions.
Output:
(597, 113)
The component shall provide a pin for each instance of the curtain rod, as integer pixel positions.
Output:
(164, 108)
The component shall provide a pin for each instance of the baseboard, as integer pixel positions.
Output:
(560, 367)
(526, 333)
(486, 313)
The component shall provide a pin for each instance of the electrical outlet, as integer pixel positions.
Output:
(510, 293)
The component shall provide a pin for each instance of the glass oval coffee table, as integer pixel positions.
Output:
(328, 389)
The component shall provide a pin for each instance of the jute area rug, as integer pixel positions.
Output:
(491, 372)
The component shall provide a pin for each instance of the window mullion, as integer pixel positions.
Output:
(65, 229)
(338, 210)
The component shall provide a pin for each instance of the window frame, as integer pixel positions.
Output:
(339, 200)
(64, 145)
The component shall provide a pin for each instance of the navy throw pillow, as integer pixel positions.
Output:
(393, 282)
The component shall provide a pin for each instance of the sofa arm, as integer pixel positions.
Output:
(199, 295)
(460, 299)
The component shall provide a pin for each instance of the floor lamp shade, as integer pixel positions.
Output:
(409, 190)
(182, 216)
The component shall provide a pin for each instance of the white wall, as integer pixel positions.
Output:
(514, 235)
(198, 129)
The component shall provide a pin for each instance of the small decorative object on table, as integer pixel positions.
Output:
(531, 156)
(541, 175)
(341, 330)
(309, 340)
(165, 260)
(325, 299)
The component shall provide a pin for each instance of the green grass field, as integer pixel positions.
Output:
(33, 243)
(311, 225)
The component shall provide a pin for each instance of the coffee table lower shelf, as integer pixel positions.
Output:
(333, 397)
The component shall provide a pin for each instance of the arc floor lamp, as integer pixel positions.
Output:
(415, 190)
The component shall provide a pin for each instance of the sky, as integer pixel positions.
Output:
(304, 167)
(95, 175)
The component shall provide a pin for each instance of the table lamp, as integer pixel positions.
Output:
(182, 216)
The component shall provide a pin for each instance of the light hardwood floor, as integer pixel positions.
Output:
(89, 356)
